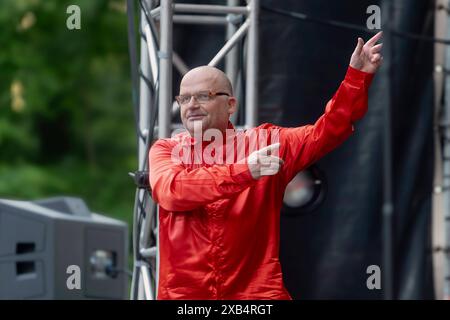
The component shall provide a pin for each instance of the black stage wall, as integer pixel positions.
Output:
(325, 254)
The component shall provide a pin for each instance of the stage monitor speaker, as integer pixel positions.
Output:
(69, 205)
(48, 253)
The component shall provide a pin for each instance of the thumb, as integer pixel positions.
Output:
(359, 46)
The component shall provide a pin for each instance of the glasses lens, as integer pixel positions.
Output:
(202, 96)
(183, 99)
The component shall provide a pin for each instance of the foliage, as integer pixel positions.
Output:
(66, 120)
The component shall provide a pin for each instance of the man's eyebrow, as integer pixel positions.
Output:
(190, 93)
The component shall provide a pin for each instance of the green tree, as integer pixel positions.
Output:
(66, 120)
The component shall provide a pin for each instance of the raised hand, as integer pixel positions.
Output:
(262, 163)
(367, 57)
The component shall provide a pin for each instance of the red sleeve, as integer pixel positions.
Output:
(177, 188)
(305, 145)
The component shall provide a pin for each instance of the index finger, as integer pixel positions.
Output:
(269, 148)
(374, 39)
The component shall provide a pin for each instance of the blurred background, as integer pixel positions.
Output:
(66, 129)
(66, 121)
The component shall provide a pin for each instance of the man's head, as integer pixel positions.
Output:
(213, 88)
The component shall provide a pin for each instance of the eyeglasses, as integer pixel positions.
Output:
(202, 97)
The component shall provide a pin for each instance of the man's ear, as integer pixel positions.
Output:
(232, 105)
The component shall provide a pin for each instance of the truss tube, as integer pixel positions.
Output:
(145, 273)
(230, 43)
(206, 8)
(136, 271)
(146, 228)
(388, 205)
(152, 52)
(445, 123)
(232, 58)
(144, 103)
(438, 205)
(196, 19)
(179, 64)
(155, 12)
(231, 62)
(251, 99)
(165, 91)
(165, 60)
(144, 93)
(149, 252)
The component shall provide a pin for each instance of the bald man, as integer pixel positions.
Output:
(220, 190)
(214, 114)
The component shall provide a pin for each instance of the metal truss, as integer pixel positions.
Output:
(155, 107)
(441, 194)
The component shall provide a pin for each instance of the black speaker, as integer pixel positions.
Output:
(57, 249)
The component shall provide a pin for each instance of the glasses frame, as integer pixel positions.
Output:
(211, 95)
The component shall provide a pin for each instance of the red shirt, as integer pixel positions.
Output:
(219, 227)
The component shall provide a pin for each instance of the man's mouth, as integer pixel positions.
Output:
(196, 117)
